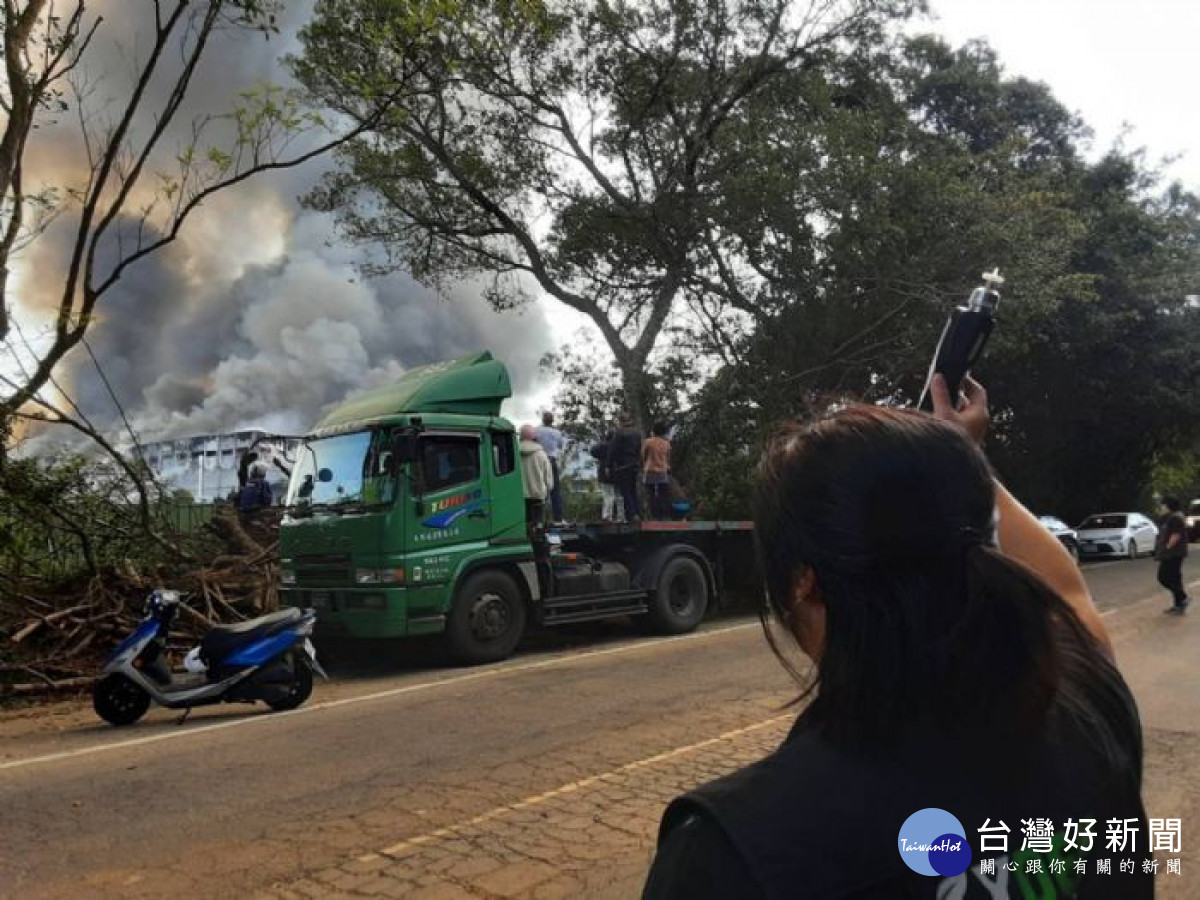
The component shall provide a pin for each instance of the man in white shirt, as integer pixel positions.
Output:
(552, 442)
(537, 474)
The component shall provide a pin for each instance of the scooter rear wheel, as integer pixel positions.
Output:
(119, 701)
(300, 688)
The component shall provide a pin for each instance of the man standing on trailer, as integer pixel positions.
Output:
(552, 442)
(624, 463)
(538, 476)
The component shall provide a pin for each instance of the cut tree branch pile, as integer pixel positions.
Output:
(55, 637)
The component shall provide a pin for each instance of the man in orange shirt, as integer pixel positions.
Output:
(656, 470)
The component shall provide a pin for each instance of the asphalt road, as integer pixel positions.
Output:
(539, 777)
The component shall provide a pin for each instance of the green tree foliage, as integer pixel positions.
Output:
(75, 515)
(764, 217)
(591, 396)
(1175, 473)
(596, 149)
(937, 167)
(1106, 377)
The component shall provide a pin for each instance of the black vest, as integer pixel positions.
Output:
(812, 821)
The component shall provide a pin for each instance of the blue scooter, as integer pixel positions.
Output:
(269, 659)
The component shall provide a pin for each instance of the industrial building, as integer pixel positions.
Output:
(206, 466)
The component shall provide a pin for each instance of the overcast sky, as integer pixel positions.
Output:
(1115, 62)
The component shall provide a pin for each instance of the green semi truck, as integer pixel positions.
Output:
(406, 516)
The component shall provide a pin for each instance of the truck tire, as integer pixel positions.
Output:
(487, 618)
(680, 598)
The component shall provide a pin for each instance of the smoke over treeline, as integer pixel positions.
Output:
(256, 316)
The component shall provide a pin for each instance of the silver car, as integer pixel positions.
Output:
(1117, 534)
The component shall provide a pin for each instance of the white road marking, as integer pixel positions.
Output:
(572, 787)
(477, 675)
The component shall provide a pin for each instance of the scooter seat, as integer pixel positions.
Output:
(222, 640)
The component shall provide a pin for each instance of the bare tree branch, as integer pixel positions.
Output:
(116, 170)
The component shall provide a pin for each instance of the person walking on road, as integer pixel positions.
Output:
(656, 471)
(624, 461)
(552, 442)
(538, 476)
(611, 507)
(1170, 551)
(963, 684)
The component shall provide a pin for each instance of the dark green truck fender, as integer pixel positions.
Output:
(518, 563)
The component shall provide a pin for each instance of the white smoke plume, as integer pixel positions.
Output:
(308, 331)
(257, 317)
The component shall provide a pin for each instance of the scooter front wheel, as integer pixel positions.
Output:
(119, 701)
(299, 690)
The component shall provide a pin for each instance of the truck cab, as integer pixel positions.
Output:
(406, 516)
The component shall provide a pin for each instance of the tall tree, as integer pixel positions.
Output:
(937, 167)
(1102, 379)
(585, 146)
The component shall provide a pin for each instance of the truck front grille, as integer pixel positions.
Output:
(324, 569)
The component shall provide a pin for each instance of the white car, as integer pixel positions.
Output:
(1193, 521)
(1117, 534)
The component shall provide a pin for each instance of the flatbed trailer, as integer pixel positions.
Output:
(723, 549)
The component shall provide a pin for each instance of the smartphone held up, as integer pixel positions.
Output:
(964, 337)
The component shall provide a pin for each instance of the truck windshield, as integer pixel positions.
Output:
(345, 472)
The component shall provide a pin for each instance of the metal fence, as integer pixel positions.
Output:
(187, 518)
(56, 553)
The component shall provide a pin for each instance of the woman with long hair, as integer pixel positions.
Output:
(962, 684)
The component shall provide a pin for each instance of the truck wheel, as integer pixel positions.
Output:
(681, 597)
(119, 701)
(487, 618)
